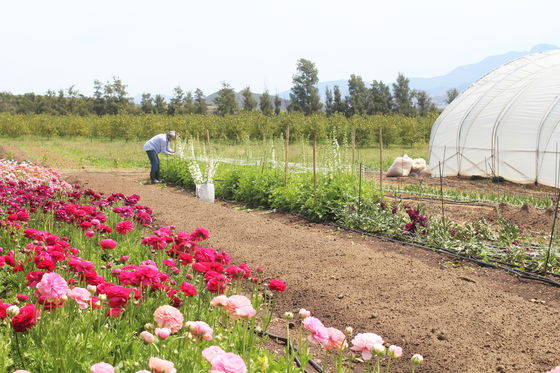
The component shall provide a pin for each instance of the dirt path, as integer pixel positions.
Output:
(462, 318)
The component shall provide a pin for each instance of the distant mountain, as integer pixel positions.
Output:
(437, 86)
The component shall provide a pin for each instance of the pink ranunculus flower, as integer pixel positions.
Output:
(396, 352)
(555, 370)
(211, 352)
(169, 317)
(108, 244)
(143, 371)
(22, 371)
(304, 313)
(318, 331)
(220, 300)
(337, 340)
(161, 366)
(124, 227)
(228, 363)
(147, 337)
(163, 333)
(89, 234)
(102, 368)
(81, 296)
(240, 307)
(364, 342)
(53, 286)
(200, 329)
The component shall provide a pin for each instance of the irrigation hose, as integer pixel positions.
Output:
(284, 340)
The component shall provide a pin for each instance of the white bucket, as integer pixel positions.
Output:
(205, 192)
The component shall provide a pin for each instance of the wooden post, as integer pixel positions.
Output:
(286, 143)
(360, 191)
(552, 233)
(381, 160)
(208, 136)
(353, 146)
(314, 164)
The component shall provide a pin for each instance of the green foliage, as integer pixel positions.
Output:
(402, 96)
(265, 104)
(225, 100)
(304, 95)
(249, 102)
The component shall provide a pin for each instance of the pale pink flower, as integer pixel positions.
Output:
(143, 371)
(396, 352)
(417, 359)
(304, 313)
(318, 331)
(147, 337)
(239, 307)
(555, 370)
(81, 296)
(22, 371)
(220, 300)
(169, 317)
(211, 352)
(200, 329)
(364, 342)
(228, 363)
(102, 368)
(337, 340)
(161, 366)
(163, 333)
(53, 286)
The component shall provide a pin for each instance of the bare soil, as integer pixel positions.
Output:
(460, 317)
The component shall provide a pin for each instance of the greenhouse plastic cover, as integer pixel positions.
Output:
(506, 124)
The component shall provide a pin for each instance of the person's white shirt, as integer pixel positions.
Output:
(159, 144)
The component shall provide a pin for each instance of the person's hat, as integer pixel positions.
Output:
(171, 134)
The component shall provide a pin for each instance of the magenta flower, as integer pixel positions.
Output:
(108, 244)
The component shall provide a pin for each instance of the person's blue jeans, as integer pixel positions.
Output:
(154, 165)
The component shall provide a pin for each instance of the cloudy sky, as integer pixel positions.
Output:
(154, 46)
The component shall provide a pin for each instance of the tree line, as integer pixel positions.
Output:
(111, 98)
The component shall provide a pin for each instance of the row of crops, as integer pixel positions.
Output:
(337, 193)
(395, 129)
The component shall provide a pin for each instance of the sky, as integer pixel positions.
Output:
(154, 46)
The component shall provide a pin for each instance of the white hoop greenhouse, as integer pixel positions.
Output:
(506, 124)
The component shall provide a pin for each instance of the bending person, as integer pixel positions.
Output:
(158, 144)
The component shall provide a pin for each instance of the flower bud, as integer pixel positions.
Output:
(349, 331)
(378, 349)
(92, 288)
(417, 359)
(147, 337)
(288, 315)
(163, 333)
(304, 313)
(102, 297)
(12, 311)
(149, 326)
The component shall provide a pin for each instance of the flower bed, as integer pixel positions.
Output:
(86, 286)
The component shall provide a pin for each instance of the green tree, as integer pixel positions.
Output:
(200, 106)
(424, 103)
(357, 99)
(452, 95)
(176, 104)
(159, 104)
(225, 100)
(328, 102)
(189, 105)
(249, 102)
(265, 103)
(98, 99)
(402, 96)
(147, 103)
(277, 104)
(339, 106)
(379, 98)
(304, 95)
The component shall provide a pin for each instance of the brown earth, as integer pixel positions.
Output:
(460, 317)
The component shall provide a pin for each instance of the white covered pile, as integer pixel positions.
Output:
(406, 166)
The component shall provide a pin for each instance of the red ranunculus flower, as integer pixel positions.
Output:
(277, 285)
(25, 319)
(124, 227)
(188, 289)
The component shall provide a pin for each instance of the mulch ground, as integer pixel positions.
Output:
(460, 317)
